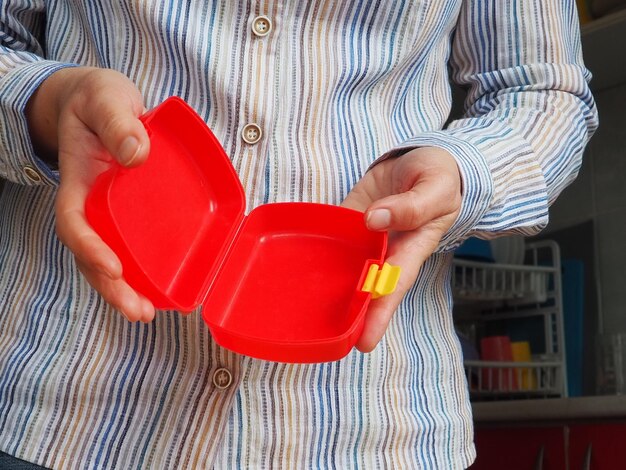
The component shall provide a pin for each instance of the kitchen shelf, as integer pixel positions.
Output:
(510, 284)
(504, 296)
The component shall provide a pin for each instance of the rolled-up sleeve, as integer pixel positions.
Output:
(529, 114)
(22, 69)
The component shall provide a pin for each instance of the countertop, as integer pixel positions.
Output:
(610, 407)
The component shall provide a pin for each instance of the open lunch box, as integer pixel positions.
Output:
(289, 282)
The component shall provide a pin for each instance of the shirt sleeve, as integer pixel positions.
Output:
(22, 69)
(528, 114)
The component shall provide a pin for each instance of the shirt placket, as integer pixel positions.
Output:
(256, 108)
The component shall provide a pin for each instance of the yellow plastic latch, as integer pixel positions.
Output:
(381, 281)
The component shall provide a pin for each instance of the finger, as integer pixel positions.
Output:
(411, 209)
(358, 198)
(80, 153)
(72, 226)
(74, 232)
(369, 188)
(409, 250)
(119, 295)
(378, 316)
(117, 124)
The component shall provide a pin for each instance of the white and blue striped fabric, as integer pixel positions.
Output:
(333, 86)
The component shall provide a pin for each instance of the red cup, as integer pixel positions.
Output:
(498, 349)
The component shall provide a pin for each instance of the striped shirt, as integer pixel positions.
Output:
(333, 86)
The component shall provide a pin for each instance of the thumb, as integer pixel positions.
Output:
(118, 127)
(405, 211)
(429, 199)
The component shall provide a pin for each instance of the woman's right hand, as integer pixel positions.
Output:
(88, 117)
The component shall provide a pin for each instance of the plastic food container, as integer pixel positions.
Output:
(290, 282)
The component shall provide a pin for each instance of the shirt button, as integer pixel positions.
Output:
(32, 174)
(251, 133)
(222, 378)
(261, 26)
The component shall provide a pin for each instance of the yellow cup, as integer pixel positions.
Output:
(521, 353)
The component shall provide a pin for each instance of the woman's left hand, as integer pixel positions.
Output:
(417, 198)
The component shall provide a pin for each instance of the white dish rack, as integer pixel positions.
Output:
(510, 284)
(488, 292)
(492, 379)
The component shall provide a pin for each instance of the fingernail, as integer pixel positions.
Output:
(128, 151)
(378, 219)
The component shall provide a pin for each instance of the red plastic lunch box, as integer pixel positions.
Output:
(290, 282)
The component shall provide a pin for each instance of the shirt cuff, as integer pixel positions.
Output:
(478, 186)
(18, 161)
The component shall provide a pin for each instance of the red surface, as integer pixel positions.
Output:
(284, 282)
(171, 219)
(292, 282)
(607, 440)
(518, 448)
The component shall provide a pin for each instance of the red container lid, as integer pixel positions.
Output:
(284, 283)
